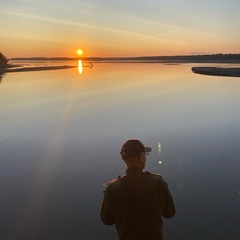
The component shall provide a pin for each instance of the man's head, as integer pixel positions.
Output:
(134, 153)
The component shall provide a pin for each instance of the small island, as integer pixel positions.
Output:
(217, 71)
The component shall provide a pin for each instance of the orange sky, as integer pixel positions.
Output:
(118, 28)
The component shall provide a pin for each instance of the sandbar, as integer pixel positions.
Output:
(17, 68)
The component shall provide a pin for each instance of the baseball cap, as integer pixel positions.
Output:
(133, 147)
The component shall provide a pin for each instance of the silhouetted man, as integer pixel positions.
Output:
(136, 202)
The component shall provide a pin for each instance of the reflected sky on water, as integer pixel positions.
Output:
(61, 133)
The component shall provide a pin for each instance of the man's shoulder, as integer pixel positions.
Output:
(156, 176)
(113, 181)
(153, 174)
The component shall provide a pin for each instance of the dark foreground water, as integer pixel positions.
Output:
(61, 133)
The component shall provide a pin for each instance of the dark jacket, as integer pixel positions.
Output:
(135, 204)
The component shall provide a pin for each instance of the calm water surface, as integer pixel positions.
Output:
(61, 133)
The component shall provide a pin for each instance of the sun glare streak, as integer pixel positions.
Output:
(36, 200)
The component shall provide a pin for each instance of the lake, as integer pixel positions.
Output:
(61, 134)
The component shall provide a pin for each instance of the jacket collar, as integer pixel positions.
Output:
(134, 170)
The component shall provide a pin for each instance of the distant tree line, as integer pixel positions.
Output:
(215, 58)
(58, 58)
(183, 58)
(187, 58)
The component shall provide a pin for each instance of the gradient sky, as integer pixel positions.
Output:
(111, 28)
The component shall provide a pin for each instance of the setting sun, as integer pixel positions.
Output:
(80, 52)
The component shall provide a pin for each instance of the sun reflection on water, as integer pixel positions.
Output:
(80, 66)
